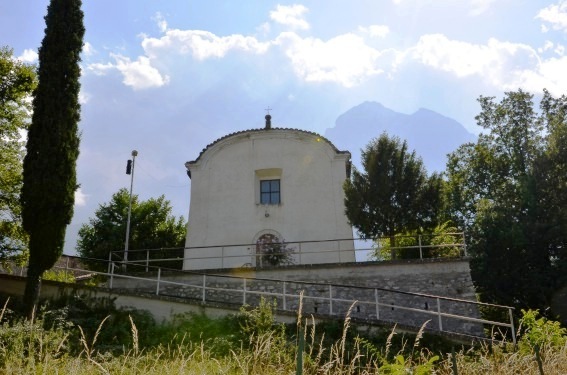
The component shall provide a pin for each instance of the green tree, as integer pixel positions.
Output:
(394, 194)
(52, 147)
(152, 227)
(509, 190)
(17, 82)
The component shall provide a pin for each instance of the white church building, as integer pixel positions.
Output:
(275, 185)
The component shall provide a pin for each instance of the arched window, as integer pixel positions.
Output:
(271, 251)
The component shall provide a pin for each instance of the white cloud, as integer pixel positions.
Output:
(556, 15)
(504, 65)
(160, 21)
(202, 44)
(497, 62)
(100, 69)
(80, 198)
(344, 59)
(477, 7)
(138, 74)
(375, 31)
(480, 6)
(28, 56)
(84, 97)
(291, 16)
(88, 49)
(546, 46)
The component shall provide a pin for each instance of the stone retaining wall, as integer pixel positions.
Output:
(384, 282)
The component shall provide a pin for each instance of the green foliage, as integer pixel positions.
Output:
(271, 251)
(92, 337)
(540, 333)
(443, 241)
(394, 194)
(17, 82)
(509, 191)
(401, 367)
(152, 227)
(52, 148)
(258, 320)
(59, 275)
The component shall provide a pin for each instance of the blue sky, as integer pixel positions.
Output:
(168, 77)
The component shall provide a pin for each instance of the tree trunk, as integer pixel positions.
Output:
(31, 293)
(393, 246)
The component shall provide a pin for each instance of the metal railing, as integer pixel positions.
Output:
(373, 304)
(299, 252)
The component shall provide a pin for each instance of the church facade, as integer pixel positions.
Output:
(267, 197)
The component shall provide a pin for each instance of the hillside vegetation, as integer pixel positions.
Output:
(81, 339)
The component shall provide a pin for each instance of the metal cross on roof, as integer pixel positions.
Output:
(268, 110)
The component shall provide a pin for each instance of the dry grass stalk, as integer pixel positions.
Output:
(134, 335)
(4, 308)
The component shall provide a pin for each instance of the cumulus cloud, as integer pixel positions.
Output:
(160, 21)
(80, 198)
(348, 60)
(84, 97)
(495, 61)
(88, 49)
(375, 31)
(345, 59)
(291, 16)
(28, 56)
(555, 15)
(201, 44)
(138, 74)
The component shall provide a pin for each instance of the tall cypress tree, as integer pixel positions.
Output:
(53, 143)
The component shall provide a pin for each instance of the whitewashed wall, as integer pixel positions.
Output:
(225, 198)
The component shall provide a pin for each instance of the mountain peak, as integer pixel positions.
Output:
(429, 133)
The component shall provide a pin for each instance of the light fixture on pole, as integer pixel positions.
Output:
(129, 170)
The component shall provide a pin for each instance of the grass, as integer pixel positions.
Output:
(64, 340)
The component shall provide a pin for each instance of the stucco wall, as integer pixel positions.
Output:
(225, 204)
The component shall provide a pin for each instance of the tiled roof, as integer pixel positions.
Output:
(266, 130)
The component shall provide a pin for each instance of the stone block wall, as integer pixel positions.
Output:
(388, 283)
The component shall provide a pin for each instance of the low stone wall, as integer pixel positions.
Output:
(367, 283)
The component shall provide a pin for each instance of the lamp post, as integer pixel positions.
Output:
(129, 168)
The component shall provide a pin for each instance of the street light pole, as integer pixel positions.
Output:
(134, 154)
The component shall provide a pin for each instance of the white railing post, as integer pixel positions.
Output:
(330, 299)
(111, 274)
(67, 269)
(377, 304)
(420, 249)
(244, 292)
(204, 286)
(439, 314)
(464, 244)
(284, 300)
(147, 259)
(109, 260)
(512, 325)
(158, 278)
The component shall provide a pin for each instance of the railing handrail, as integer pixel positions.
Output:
(301, 242)
(321, 290)
(330, 298)
(198, 273)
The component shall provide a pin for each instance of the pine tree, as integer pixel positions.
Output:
(53, 143)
